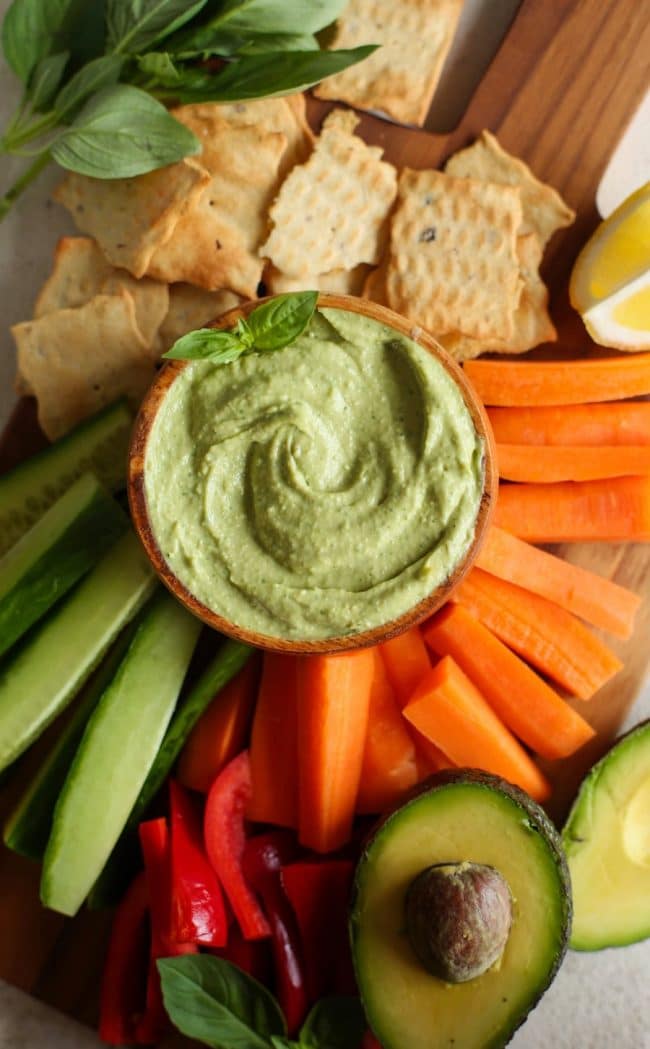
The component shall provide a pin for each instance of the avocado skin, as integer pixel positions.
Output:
(589, 784)
(539, 823)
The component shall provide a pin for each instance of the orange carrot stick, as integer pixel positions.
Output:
(389, 766)
(545, 464)
(333, 703)
(617, 423)
(429, 757)
(221, 732)
(526, 704)
(615, 511)
(541, 632)
(274, 744)
(602, 603)
(407, 661)
(448, 709)
(523, 383)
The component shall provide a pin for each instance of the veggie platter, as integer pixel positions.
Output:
(274, 840)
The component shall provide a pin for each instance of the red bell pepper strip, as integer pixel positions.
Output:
(225, 838)
(369, 1041)
(125, 971)
(154, 840)
(198, 912)
(253, 956)
(319, 893)
(264, 858)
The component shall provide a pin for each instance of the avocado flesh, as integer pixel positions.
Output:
(607, 842)
(464, 819)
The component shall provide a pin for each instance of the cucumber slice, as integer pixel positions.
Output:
(28, 827)
(116, 753)
(52, 556)
(99, 444)
(228, 661)
(46, 671)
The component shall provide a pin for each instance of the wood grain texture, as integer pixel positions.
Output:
(566, 80)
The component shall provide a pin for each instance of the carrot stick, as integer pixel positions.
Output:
(333, 703)
(448, 709)
(221, 732)
(407, 661)
(541, 632)
(618, 423)
(602, 603)
(523, 383)
(430, 758)
(616, 510)
(545, 463)
(526, 704)
(274, 744)
(389, 766)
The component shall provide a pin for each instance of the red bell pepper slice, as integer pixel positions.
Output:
(264, 858)
(225, 838)
(253, 956)
(154, 840)
(125, 970)
(198, 912)
(319, 893)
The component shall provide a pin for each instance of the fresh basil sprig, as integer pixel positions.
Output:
(271, 326)
(68, 52)
(213, 1001)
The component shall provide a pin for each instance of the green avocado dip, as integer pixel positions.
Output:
(319, 490)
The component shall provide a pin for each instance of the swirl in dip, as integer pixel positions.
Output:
(317, 491)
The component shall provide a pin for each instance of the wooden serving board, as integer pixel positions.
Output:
(565, 82)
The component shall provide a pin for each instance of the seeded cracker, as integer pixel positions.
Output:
(214, 245)
(130, 217)
(330, 213)
(531, 322)
(191, 308)
(453, 263)
(544, 211)
(81, 271)
(401, 76)
(77, 361)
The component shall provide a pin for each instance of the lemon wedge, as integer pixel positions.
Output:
(610, 282)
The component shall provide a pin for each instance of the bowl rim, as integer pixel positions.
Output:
(345, 642)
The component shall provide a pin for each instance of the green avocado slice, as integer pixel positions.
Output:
(461, 816)
(607, 842)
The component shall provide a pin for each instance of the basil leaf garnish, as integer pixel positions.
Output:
(134, 25)
(122, 132)
(206, 41)
(213, 1001)
(159, 64)
(271, 326)
(31, 30)
(95, 76)
(277, 16)
(45, 79)
(334, 1023)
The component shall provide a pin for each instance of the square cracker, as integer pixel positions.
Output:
(399, 78)
(77, 361)
(130, 217)
(453, 262)
(543, 209)
(531, 322)
(191, 308)
(214, 244)
(287, 115)
(81, 271)
(336, 282)
(331, 212)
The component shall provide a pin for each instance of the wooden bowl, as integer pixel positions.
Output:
(414, 615)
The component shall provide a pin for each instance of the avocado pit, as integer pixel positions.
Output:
(458, 919)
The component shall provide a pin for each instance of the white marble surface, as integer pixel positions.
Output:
(599, 1001)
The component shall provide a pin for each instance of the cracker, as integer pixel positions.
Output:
(374, 287)
(130, 217)
(81, 271)
(214, 245)
(191, 308)
(77, 361)
(287, 115)
(331, 212)
(543, 209)
(453, 262)
(336, 282)
(532, 324)
(400, 78)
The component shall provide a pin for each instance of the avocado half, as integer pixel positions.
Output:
(459, 816)
(607, 843)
